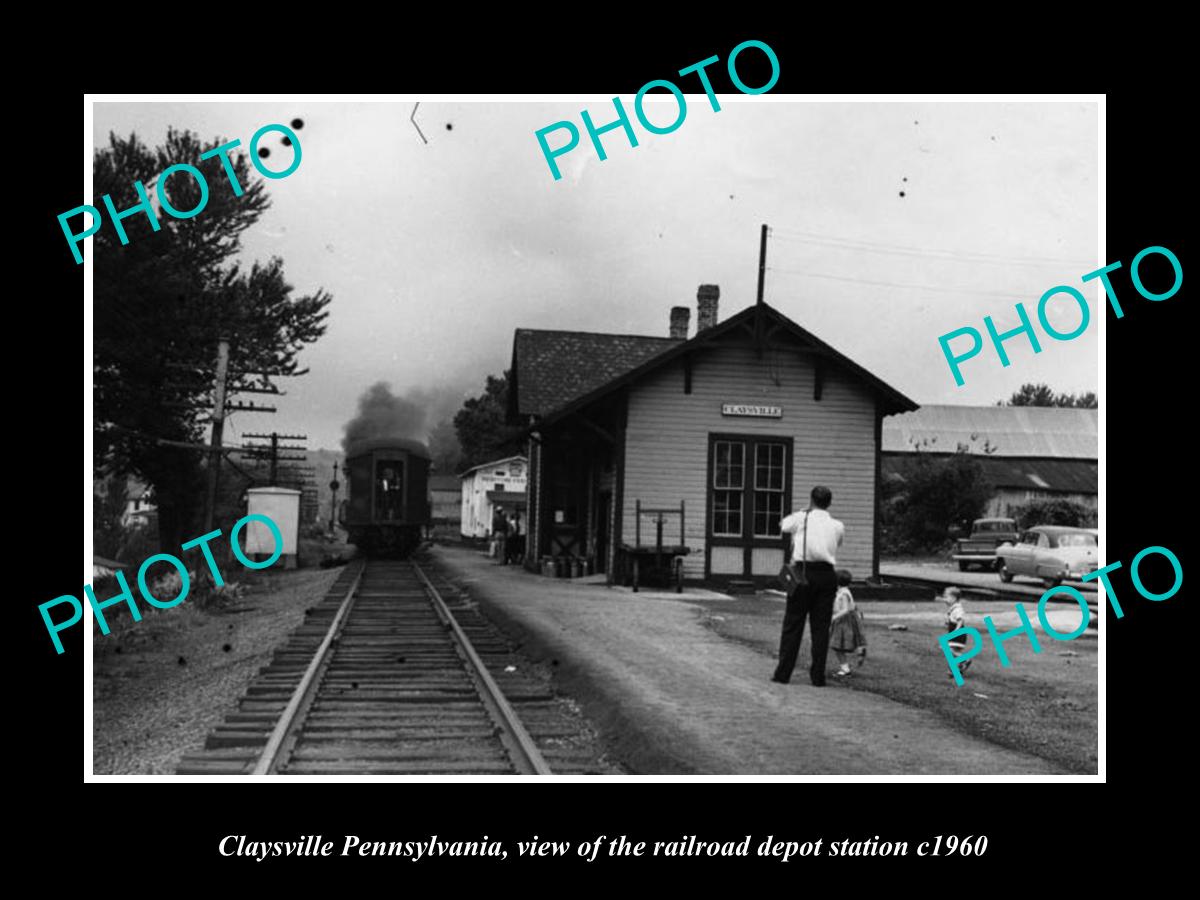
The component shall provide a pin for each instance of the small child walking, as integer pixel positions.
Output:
(956, 618)
(846, 632)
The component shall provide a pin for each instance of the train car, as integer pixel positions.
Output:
(388, 503)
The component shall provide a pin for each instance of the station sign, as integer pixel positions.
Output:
(752, 409)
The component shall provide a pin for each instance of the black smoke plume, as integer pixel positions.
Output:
(382, 414)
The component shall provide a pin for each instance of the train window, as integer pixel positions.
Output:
(389, 490)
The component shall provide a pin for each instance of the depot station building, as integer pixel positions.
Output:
(698, 445)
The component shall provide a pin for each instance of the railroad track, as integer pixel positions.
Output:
(999, 591)
(382, 678)
(1019, 592)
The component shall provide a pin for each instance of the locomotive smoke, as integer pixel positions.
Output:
(382, 414)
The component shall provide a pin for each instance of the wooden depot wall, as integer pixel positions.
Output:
(667, 444)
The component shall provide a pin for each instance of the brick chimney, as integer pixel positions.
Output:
(706, 306)
(681, 318)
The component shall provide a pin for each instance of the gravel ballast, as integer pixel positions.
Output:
(161, 684)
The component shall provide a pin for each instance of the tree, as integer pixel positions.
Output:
(444, 449)
(1043, 395)
(1033, 395)
(109, 498)
(161, 302)
(482, 429)
(933, 493)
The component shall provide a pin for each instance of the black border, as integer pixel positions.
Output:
(1148, 458)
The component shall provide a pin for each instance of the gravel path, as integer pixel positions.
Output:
(161, 684)
(673, 696)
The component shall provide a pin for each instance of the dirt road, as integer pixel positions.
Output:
(676, 697)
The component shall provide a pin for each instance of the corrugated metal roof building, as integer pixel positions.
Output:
(445, 502)
(1038, 452)
(1040, 432)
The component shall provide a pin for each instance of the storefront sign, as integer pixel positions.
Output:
(749, 409)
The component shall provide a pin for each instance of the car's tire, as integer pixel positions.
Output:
(996, 565)
(1051, 582)
(963, 565)
(1002, 570)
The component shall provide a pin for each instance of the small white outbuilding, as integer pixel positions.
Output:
(281, 506)
(501, 482)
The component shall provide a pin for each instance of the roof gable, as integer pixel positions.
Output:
(583, 380)
(495, 462)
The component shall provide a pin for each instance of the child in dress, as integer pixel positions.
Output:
(956, 618)
(846, 633)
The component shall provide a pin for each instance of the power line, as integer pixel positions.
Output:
(166, 442)
(915, 287)
(899, 249)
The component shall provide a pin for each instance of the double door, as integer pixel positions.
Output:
(749, 493)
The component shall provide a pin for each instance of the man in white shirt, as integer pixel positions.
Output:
(815, 537)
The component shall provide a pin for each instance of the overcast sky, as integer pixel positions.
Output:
(434, 253)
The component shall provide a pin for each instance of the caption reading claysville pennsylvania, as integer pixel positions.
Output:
(602, 846)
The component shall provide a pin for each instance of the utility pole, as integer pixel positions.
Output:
(218, 428)
(333, 486)
(227, 380)
(762, 263)
(272, 453)
(758, 312)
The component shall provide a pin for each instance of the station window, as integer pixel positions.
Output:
(769, 482)
(749, 505)
(729, 482)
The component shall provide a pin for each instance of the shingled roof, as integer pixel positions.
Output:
(556, 367)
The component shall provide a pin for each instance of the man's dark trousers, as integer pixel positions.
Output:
(815, 601)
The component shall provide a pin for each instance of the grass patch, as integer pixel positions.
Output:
(1044, 704)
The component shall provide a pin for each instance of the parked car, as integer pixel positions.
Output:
(1053, 553)
(980, 548)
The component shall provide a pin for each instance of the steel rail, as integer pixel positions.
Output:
(282, 737)
(521, 747)
(999, 591)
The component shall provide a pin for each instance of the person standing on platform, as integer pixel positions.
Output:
(815, 538)
(500, 534)
(516, 538)
(846, 634)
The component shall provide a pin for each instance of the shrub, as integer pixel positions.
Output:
(933, 494)
(1053, 512)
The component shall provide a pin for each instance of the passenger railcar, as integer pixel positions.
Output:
(388, 503)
